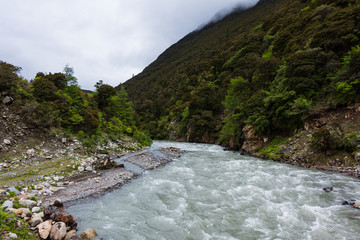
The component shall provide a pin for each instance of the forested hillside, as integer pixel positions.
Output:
(270, 67)
(54, 104)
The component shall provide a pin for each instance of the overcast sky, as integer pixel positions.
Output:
(101, 39)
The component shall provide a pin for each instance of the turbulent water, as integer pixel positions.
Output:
(210, 193)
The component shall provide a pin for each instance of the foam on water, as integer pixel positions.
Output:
(213, 194)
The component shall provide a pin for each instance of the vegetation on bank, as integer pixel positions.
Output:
(10, 223)
(55, 103)
(271, 66)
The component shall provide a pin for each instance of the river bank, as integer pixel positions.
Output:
(106, 176)
(329, 140)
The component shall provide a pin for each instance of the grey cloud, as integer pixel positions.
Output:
(108, 40)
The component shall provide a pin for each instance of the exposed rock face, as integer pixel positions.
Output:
(88, 234)
(252, 140)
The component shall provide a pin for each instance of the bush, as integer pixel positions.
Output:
(323, 139)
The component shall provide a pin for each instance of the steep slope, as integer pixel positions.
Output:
(269, 67)
(175, 78)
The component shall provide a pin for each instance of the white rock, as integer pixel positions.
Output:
(89, 169)
(35, 209)
(58, 231)
(7, 205)
(27, 203)
(34, 221)
(7, 141)
(30, 152)
(44, 229)
(81, 168)
(13, 236)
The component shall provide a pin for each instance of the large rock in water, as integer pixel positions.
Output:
(88, 234)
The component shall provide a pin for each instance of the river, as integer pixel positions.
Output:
(210, 193)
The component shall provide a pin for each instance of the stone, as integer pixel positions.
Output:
(89, 169)
(328, 189)
(13, 236)
(58, 231)
(44, 229)
(88, 234)
(7, 142)
(76, 238)
(58, 203)
(27, 203)
(41, 214)
(355, 205)
(81, 169)
(23, 212)
(7, 205)
(11, 189)
(30, 152)
(35, 209)
(66, 218)
(70, 234)
(348, 202)
(34, 221)
(7, 100)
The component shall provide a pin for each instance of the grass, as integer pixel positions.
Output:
(272, 150)
(35, 172)
(9, 223)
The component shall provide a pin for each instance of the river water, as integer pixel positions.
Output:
(210, 193)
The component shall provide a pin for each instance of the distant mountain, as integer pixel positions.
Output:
(269, 67)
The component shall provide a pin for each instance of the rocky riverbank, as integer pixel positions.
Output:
(45, 213)
(328, 141)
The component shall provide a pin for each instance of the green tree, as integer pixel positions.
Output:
(69, 76)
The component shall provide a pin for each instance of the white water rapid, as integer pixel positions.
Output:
(210, 193)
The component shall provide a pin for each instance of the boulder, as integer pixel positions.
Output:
(7, 100)
(69, 235)
(30, 152)
(58, 231)
(44, 229)
(88, 234)
(35, 209)
(89, 169)
(13, 236)
(34, 221)
(66, 218)
(11, 189)
(28, 203)
(328, 189)
(58, 203)
(7, 205)
(23, 212)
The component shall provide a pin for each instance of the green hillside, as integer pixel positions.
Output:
(271, 66)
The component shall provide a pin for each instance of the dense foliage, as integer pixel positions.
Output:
(55, 102)
(270, 66)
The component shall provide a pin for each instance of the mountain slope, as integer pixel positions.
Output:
(269, 67)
